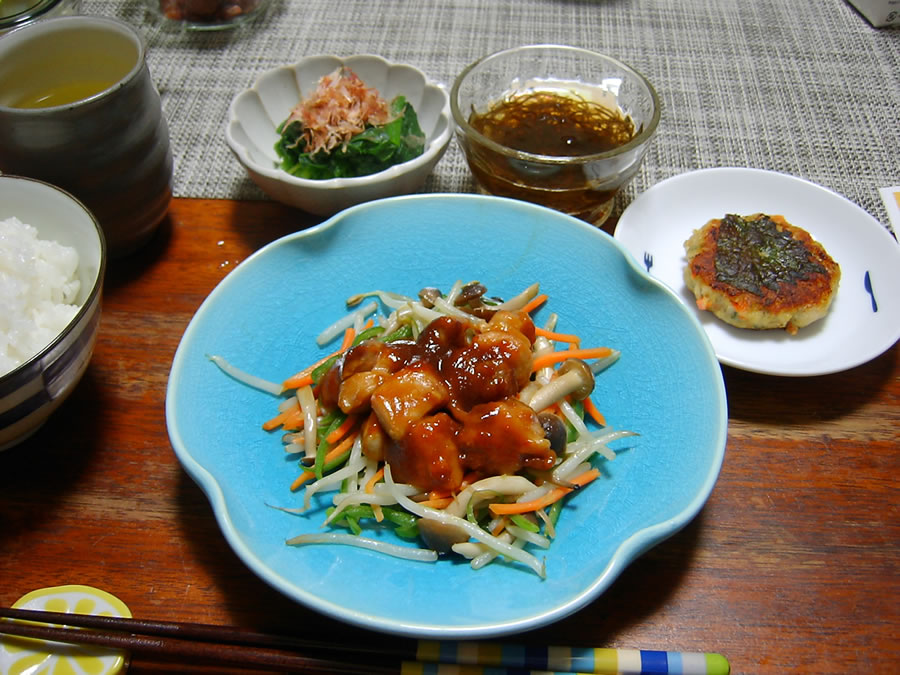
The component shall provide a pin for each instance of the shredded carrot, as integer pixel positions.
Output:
(345, 427)
(297, 381)
(441, 503)
(304, 377)
(294, 422)
(302, 478)
(501, 525)
(349, 336)
(535, 302)
(556, 337)
(370, 485)
(278, 420)
(545, 360)
(332, 454)
(339, 449)
(591, 409)
(553, 496)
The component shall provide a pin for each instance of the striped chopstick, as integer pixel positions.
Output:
(223, 645)
(557, 660)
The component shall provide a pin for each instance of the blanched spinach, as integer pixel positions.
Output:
(373, 150)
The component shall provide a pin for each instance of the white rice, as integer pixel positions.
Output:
(38, 292)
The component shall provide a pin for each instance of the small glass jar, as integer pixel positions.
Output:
(205, 14)
(17, 13)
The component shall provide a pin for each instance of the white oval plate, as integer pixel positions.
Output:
(860, 325)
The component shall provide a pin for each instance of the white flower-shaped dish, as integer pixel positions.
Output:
(255, 114)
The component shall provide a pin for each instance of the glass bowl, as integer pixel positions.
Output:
(532, 124)
(18, 13)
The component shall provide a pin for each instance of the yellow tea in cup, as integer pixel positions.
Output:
(62, 93)
(67, 70)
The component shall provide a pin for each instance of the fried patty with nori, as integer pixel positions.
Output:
(760, 272)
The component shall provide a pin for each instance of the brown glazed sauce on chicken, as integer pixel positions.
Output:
(444, 405)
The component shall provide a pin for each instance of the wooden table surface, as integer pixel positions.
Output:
(792, 566)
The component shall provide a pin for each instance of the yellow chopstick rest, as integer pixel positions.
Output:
(21, 655)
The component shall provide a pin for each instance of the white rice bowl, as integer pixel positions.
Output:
(38, 291)
(52, 266)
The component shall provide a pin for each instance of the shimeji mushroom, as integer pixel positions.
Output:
(440, 536)
(554, 431)
(574, 378)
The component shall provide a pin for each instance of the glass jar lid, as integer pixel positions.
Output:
(15, 13)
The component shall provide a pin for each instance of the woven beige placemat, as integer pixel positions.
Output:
(805, 88)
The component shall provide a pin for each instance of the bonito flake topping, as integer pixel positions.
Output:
(340, 108)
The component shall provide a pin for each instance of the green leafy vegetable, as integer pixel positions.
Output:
(373, 150)
(404, 523)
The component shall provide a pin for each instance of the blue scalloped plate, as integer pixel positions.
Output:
(264, 318)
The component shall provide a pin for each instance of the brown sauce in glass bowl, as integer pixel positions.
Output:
(547, 123)
(551, 124)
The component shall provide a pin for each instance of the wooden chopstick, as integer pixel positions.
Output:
(188, 631)
(194, 643)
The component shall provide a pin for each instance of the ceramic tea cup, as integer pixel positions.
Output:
(78, 110)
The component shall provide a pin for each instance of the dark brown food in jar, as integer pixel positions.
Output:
(206, 10)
